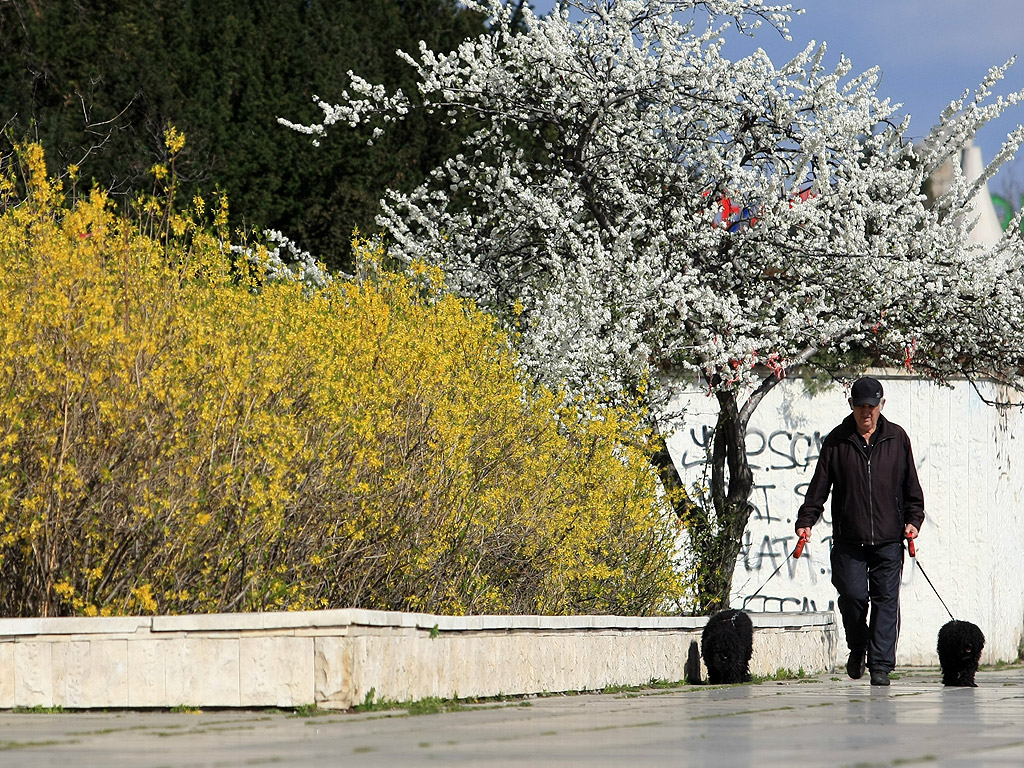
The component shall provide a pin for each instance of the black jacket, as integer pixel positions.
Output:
(874, 495)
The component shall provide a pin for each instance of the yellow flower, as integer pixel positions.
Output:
(144, 598)
(174, 140)
(180, 434)
(64, 588)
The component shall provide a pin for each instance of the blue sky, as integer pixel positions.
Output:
(929, 51)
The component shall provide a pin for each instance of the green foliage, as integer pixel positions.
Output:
(98, 83)
(179, 435)
(372, 704)
(654, 684)
(39, 709)
(782, 673)
(311, 710)
(434, 705)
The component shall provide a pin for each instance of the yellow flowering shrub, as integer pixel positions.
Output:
(177, 435)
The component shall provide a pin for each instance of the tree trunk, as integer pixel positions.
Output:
(731, 483)
(716, 530)
(715, 534)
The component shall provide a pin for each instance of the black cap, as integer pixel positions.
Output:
(866, 391)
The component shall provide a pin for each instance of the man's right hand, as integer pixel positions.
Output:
(803, 533)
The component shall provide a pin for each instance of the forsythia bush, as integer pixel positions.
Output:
(177, 436)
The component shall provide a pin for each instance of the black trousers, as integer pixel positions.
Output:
(866, 574)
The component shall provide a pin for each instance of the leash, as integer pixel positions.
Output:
(913, 554)
(795, 554)
(798, 550)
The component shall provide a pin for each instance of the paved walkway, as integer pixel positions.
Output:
(826, 720)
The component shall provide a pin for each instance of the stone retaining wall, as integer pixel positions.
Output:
(334, 659)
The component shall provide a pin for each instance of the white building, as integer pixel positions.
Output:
(987, 230)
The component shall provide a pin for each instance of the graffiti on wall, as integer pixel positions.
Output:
(782, 461)
(969, 458)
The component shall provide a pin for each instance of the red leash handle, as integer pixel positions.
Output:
(911, 547)
(800, 546)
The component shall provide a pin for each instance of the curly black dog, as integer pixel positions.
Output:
(960, 644)
(726, 645)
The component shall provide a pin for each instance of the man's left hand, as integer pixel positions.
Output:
(910, 531)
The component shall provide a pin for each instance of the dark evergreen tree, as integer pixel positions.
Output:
(98, 81)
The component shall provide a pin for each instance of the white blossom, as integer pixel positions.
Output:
(596, 239)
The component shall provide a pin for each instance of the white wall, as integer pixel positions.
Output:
(970, 458)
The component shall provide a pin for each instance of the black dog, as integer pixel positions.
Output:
(960, 644)
(727, 644)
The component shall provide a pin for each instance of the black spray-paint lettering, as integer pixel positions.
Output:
(787, 450)
(777, 604)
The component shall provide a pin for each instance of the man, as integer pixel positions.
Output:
(877, 501)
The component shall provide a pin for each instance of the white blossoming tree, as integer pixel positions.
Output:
(641, 211)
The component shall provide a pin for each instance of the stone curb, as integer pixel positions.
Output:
(336, 658)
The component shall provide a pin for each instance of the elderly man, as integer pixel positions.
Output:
(867, 464)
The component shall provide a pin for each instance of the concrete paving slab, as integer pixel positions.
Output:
(824, 720)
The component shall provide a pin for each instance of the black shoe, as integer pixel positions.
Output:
(879, 677)
(855, 664)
